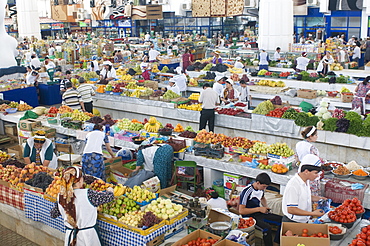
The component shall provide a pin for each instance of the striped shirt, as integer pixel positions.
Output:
(251, 197)
(86, 91)
(72, 98)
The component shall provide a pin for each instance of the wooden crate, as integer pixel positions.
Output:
(218, 8)
(234, 7)
(201, 8)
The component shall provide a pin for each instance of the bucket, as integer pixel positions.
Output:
(220, 228)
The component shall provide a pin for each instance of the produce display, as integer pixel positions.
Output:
(3, 107)
(335, 230)
(24, 107)
(64, 109)
(178, 128)
(153, 125)
(360, 172)
(188, 134)
(140, 195)
(246, 222)
(362, 238)
(341, 170)
(164, 208)
(279, 168)
(229, 111)
(259, 148)
(3, 156)
(40, 180)
(170, 95)
(264, 107)
(271, 83)
(201, 241)
(194, 96)
(281, 149)
(346, 213)
(278, 112)
(119, 207)
(99, 185)
(305, 233)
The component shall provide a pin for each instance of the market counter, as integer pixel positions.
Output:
(28, 95)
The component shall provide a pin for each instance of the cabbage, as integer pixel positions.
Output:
(326, 116)
(319, 114)
(324, 104)
(323, 110)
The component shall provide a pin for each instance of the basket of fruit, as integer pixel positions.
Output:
(360, 174)
(138, 140)
(332, 93)
(279, 168)
(341, 172)
(246, 224)
(336, 231)
(166, 131)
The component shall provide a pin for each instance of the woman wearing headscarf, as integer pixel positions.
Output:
(108, 73)
(229, 94)
(40, 150)
(217, 58)
(157, 159)
(78, 208)
(186, 59)
(361, 91)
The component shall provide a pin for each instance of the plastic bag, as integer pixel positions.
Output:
(324, 205)
(238, 236)
(29, 115)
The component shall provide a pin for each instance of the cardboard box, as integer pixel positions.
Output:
(156, 241)
(229, 179)
(287, 161)
(22, 140)
(218, 214)
(11, 130)
(120, 168)
(306, 93)
(49, 132)
(346, 97)
(29, 124)
(152, 184)
(24, 134)
(112, 161)
(4, 183)
(194, 235)
(297, 228)
(16, 150)
(166, 192)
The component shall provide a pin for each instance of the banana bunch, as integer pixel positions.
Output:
(136, 93)
(236, 70)
(126, 77)
(121, 71)
(155, 68)
(119, 190)
(153, 125)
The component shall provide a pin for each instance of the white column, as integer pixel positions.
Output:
(28, 18)
(275, 24)
(364, 18)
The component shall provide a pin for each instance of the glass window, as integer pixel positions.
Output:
(353, 32)
(216, 21)
(191, 22)
(315, 21)
(203, 21)
(354, 22)
(339, 21)
(299, 21)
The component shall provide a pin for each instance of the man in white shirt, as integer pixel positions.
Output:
(181, 80)
(218, 87)
(173, 87)
(51, 50)
(302, 62)
(277, 56)
(297, 199)
(238, 64)
(35, 62)
(263, 63)
(49, 64)
(147, 37)
(209, 99)
(153, 54)
(341, 56)
(356, 54)
(214, 201)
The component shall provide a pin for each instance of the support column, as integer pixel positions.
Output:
(275, 24)
(28, 18)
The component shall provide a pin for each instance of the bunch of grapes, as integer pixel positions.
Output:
(149, 219)
(89, 179)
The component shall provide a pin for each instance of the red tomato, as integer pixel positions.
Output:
(304, 235)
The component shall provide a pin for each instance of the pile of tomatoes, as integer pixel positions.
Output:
(320, 234)
(245, 223)
(201, 242)
(335, 230)
(346, 213)
(363, 238)
(278, 112)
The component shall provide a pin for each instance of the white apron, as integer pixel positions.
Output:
(54, 162)
(86, 215)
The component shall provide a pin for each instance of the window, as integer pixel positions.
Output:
(354, 22)
(339, 21)
(314, 21)
(299, 21)
(353, 32)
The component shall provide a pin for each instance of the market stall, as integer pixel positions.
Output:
(28, 95)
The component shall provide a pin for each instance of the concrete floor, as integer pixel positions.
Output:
(10, 238)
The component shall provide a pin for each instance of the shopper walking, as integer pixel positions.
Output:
(92, 158)
(297, 199)
(67, 78)
(86, 91)
(78, 208)
(254, 204)
(361, 91)
(209, 99)
(186, 60)
(72, 98)
(264, 60)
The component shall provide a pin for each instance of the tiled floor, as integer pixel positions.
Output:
(10, 238)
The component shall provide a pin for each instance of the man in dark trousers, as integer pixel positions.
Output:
(253, 204)
(209, 99)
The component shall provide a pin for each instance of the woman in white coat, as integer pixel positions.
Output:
(78, 208)
(40, 150)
